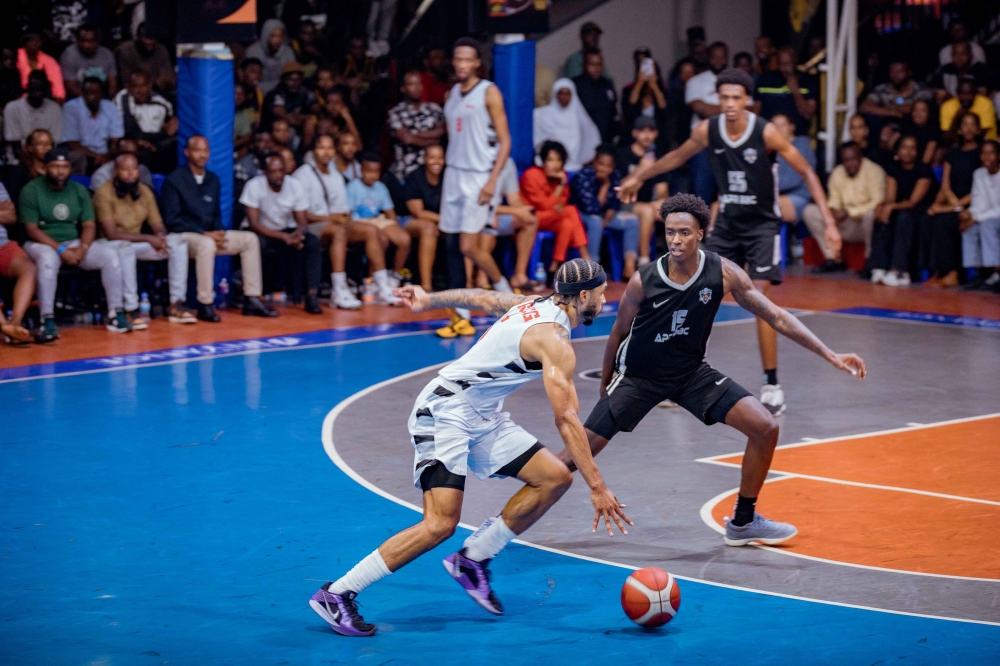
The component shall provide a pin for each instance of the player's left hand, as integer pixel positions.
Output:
(832, 237)
(851, 363)
(414, 297)
(486, 194)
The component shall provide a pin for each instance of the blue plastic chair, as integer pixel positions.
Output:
(83, 180)
(158, 179)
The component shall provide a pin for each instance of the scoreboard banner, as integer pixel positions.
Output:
(508, 16)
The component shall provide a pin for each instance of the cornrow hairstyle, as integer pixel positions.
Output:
(572, 272)
(687, 203)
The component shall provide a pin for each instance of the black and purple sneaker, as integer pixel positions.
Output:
(474, 577)
(341, 612)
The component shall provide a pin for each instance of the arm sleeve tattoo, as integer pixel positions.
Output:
(497, 303)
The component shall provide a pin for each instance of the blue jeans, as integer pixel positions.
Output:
(624, 222)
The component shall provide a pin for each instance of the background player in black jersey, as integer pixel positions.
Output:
(656, 351)
(740, 149)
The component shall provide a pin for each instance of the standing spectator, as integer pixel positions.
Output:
(857, 189)
(31, 112)
(87, 58)
(939, 236)
(296, 12)
(106, 172)
(31, 58)
(91, 126)
(273, 51)
(744, 61)
(17, 266)
(149, 119)
(968, 101)
(907, 195)
(124, 208)
(960, 35)
(590, 39)
(592, 191)
(276, 210)
(289, 101)
(145, 54)
(546, 189)
(644, 97)
(654, 190)
(895, 99)
(371, 204)
(347, 147)
(793, 193)
(434, 78)
(701, 96)
(945, 79)
(766, 60)
(566, 122)
(415, 125)
(922, 125)
(980, 223)
(59, 220)
(190, 199)
(31, 164)
(422, 194)
(786, 91)
(597, 94)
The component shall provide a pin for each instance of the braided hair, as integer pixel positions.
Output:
(572, 272)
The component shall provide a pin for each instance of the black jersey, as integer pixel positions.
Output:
(745, 176)
(670, 332)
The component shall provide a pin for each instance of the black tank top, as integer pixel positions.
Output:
(745, 176)
(670, 332)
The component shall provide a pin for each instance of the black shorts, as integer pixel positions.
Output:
(758, 249)
(706, 393)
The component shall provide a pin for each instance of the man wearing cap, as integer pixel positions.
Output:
(59, 221)
(643, 150)
(289, 101)
(590, 40)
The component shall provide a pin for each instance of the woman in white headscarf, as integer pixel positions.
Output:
(566, 121)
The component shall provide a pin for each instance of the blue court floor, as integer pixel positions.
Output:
(183, 512)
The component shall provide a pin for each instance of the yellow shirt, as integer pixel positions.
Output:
(128, 215)
(981, 106)
(860, 194)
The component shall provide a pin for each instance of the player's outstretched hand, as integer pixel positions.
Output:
(851, 363)
(606, 505)
(414, 297)
(628, 190)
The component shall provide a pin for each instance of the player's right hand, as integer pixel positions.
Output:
(414, 297)
(851, 363)
(606, 505)
(629, 189)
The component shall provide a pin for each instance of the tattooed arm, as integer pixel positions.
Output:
(738, 283)
(497, 303)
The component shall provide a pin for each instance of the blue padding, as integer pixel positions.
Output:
(83, 180)
(514, 74)
(158, 179)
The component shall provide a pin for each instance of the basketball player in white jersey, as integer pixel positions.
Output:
(478, 147)
(457, 426)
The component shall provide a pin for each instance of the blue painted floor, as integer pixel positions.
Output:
(184, 513)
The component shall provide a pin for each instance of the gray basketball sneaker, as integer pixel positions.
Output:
(760, 530)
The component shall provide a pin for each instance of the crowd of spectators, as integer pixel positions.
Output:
(337, 150)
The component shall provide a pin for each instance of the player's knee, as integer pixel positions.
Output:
(767, 430)
(440, 528)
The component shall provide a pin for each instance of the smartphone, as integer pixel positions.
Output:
(647, 66)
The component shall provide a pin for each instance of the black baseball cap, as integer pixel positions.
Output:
(57, 155)
(644, 122)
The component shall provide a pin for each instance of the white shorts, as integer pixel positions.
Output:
(460, 209)
(444, 427)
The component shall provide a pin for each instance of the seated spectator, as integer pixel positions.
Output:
(645, 97)
(17, 266)
(59, 221)
(566, 122)
(245, 120)
(857, 128)
(31, 112)
(590, 40)
(250, 73)
(337, 113)
(91, 127)
(793, 194)
(145, 54)
(289, 101)
(856, 189)
(31, 164)
(31, 58)
(434, 79)
(895, 98)
(593, 192)
(149, 119)
(546, 189)
(308, 49)
(86, 58)
(766, 55)
(980, 222)
(511, 217)
(788, 92)
(921, 125)
(945, 79)
(190, 200)
(282, 135)
(10, 78)
(273, 51)
(325, 84)
(126, 210)
(288, 159)
(347, 147)
(653, 191)
(907, 194)
(371, 204)
(597, 95)
(106, 172)
(968, 101)
(251, 165)
(276, 210)
(422, 194)
(884, 152)
(939, 236)
(958, 33)
(744, 61)
(415, 126)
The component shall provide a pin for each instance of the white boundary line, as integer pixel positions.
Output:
(331, 451)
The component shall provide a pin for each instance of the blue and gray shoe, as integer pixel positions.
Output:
(759, 530)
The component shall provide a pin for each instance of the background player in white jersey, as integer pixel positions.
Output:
(746, 230)
(478, 147)
(457, 426)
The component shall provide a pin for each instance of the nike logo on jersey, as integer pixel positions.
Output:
(719, 151)
(762, 269)
(721, 380)
(656, 305)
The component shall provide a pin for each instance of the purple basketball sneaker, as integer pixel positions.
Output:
(474, 577)
(341, 612)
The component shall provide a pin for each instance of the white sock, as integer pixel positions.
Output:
(381, 279)
(463, 313)
(486, 542)
(503, 285)
(339, 281)
(369, 570)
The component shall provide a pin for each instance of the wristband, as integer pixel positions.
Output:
(959, 209)
(61, 248)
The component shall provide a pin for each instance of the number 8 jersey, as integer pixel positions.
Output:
(493, 368)
(746, 178)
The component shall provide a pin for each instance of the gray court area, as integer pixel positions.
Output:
(920, 373)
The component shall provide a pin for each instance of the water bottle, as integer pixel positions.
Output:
(540, 274)
(368, 292)
(144, 306)
(223, 297)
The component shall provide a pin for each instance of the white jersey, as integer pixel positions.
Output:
(493, 368)
(472, 139)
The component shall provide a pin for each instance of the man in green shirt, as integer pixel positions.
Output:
(59, 221)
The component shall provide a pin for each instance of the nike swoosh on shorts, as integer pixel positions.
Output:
(719, 151)
(721, 380)
(762, 269)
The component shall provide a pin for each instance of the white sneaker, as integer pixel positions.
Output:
(394, 281)
(385, 297)
(897, 279)
(344, 300)
(773, 398)
(878, 276)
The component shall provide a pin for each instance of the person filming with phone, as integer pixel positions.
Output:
(645, 97)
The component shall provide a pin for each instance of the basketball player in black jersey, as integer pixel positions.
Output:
(656, 351)
(740, 147)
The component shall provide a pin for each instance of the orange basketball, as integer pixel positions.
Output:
(651, 597)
